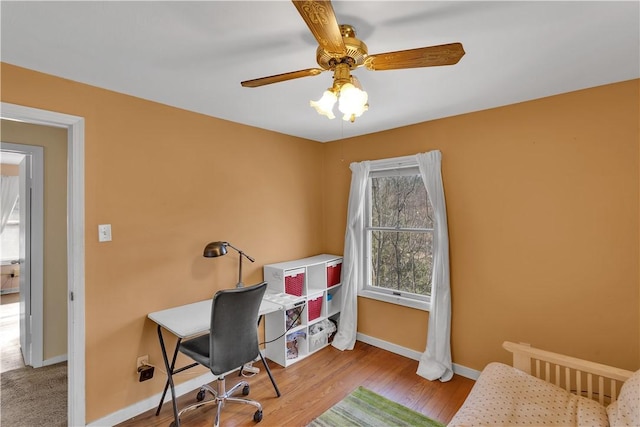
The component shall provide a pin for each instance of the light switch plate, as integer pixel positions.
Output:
(104, 233)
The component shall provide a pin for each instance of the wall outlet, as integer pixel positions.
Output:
(142, 361)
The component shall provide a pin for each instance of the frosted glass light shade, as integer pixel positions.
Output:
(353, 102)
(324, 105)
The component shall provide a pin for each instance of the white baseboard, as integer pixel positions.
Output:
(54, 360)
(413, 354)
(463, 371)
(151, 402)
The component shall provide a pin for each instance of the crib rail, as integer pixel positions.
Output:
(593, 380)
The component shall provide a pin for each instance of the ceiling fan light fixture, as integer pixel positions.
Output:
(340, 51)
(352, 102)
(324, 106)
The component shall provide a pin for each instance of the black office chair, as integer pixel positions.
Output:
(231, 343)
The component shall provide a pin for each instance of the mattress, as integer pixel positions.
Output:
(505, 396)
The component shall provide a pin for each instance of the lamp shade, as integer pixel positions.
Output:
(215, 249)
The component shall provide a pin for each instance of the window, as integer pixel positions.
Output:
(398, 237)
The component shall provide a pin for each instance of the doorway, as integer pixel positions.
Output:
(75, 246)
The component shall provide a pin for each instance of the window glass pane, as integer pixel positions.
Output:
(402, 261)
(400, 202)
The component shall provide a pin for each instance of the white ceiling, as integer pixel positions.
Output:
(10, 158)
(193, 55)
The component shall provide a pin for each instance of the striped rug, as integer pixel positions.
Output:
(365, 408)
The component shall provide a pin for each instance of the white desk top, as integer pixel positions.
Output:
(195, 319)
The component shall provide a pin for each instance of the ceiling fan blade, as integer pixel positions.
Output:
(321, 20)
(281, 77)
(446, 54)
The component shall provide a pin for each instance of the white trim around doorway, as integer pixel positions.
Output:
(75, 246)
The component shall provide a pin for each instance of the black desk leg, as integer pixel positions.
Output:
(264, 362)
(169, 382)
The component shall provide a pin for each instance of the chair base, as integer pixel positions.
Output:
(221, 396)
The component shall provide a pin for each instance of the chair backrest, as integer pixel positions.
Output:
(234, 327)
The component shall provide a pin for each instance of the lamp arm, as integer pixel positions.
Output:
(242, 254)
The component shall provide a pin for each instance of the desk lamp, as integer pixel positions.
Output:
(216, 249)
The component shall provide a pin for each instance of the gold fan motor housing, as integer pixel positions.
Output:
(356, 51)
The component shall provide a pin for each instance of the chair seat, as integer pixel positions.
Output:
(197, 349)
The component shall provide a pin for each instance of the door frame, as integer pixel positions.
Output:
(76, 411)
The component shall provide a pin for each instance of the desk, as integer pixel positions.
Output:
(188, 321)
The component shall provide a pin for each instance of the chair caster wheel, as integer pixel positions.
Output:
(173, 424)
(245, 390)
(200, 396)
(257, 417)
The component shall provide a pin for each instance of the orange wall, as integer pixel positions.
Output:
(9, 170)
(170, 181)
(542, 203)
(542, 197)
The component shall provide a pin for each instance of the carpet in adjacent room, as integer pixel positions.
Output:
(34, 397)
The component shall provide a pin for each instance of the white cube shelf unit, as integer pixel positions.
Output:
(311, 292)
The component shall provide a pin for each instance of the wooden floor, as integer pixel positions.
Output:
(316, 383)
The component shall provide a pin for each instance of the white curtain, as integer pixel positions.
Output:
(9, 187)
(435, 362)
(345, 338)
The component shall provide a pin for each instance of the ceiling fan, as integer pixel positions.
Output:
(341, 52)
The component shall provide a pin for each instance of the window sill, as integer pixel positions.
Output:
(406, 302)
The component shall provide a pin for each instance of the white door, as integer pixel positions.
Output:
(31, 247)
(25, 259)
